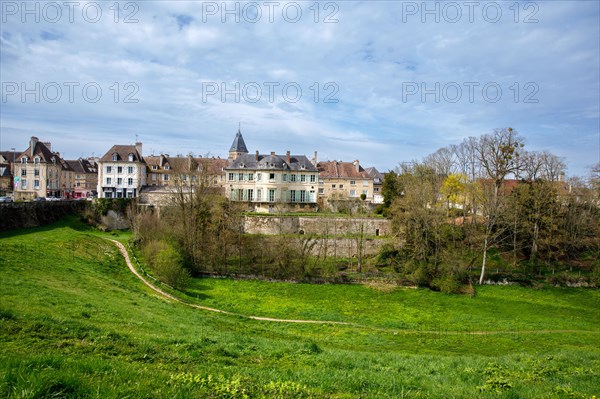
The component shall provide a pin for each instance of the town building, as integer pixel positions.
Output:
(270, 182)
(121, 172)
(7, 158)
(37, 172)
(344, 181)
(85, 173)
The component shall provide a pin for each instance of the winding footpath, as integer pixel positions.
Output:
(166, 295)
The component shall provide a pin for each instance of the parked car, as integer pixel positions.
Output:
(6, 199)
(51, 198)
(38, 199)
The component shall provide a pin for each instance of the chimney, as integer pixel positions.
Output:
(161, 160)
(288, 157)
(138, 147)
(48, 145)
(32, 144)
(256, 156)
(356, 165)
(272, 153)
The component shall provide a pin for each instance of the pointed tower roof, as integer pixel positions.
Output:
(238, 144)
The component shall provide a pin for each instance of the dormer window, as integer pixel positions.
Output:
(167, 167)
(130, 157)
(24, 160)
(302, 167)
(36, 160)
(154, 167)
(115, 157)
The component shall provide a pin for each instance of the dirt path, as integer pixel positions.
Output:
(164, 294)
(175, 299)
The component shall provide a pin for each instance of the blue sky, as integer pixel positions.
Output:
(379, 81)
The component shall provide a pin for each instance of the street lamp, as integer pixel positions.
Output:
(12, 171)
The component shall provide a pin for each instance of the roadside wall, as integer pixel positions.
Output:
(15, 215)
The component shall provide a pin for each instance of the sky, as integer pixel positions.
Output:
(383, 82)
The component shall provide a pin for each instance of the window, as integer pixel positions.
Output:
(302, 178)
(24, 160)
(271, 177)
(130, 157)
(259, 176)
(23, 172)
(119, 169)
(352, 182)
(240, 177)
(365, 183)
(353, 193)
(107, 195)
(165, 177)
(321, 191)
(130, 169)
(154, 167)
(153, 177)
(240, 194)
(167, 167)
(115, 157)
(292, 178)
(341, 186)
(250, 194)
(292, 195)
(313, 178)
(108, 180)
(78, 184)
(231, 177)
(36, 184)
(36, 161)
(284, 177)
(23, 184)
(129, 194)
(302, 196)
(271, 195)
(184, 177)
(376, 189)
(333, 186)
(259, 194)
(250, 176)
(119, 181)
(109, 169)
(36, 172)
(365, 192)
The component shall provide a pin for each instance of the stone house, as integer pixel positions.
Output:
(121, 172)
(37, 172)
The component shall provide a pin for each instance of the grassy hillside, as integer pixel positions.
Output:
(74, 322)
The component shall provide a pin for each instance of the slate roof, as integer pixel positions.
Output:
(123, 152)
(341, 170)
(186, 164)
(272, 162)
(374, 173)
(39, 150)
(82, 166)
(238, 144)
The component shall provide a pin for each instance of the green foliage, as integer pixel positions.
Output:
(103, 205)
(167, 263)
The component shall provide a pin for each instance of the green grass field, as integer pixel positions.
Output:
(74, 322)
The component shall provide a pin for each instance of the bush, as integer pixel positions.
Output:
(167, 262)
(448, 284)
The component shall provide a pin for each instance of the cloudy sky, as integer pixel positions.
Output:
(379, 81)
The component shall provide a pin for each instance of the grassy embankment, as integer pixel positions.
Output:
(74, 322)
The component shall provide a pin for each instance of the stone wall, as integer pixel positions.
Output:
(346, 247)
(330, 226)
(15, 215)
